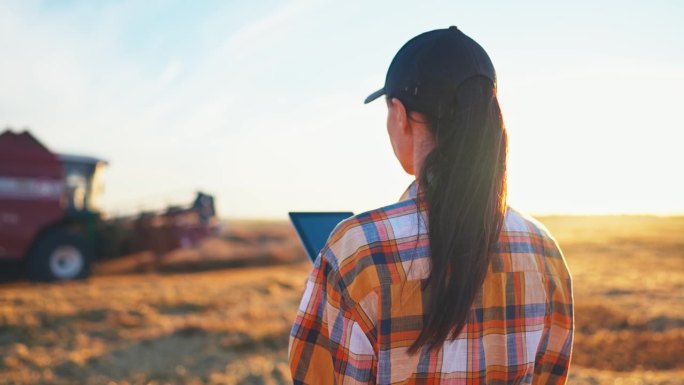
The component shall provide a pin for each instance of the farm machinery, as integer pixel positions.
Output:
(49, 220)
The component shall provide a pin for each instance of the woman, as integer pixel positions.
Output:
(450, 284)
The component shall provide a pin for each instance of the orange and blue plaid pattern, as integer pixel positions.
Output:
(362, 307)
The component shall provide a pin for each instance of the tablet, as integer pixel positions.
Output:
(314, 228)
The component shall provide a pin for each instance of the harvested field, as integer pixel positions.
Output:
(221, 314)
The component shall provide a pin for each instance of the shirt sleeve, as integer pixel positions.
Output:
(327, 345)
(555, 348)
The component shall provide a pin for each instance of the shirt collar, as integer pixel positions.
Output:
(411, 191)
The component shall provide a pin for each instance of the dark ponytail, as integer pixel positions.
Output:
(464, 185)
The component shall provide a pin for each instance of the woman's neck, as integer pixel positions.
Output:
(422, 146)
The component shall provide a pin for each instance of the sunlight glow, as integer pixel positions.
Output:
(261, 104)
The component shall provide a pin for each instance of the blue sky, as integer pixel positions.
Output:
(260, 103)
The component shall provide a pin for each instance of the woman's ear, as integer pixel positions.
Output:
(399, 115)
(401, 133)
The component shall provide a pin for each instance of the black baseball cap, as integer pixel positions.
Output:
(429, 68)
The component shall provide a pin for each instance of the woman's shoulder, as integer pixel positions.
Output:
(527, 234)
(519, 221)
(359, 243)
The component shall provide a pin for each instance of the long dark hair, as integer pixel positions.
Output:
(464, 190)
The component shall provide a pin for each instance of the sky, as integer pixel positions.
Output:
(261, 103)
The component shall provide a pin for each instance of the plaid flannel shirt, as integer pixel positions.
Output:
(362, 307)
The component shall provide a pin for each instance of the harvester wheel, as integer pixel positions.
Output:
(60, 255)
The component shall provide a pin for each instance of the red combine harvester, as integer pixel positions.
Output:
(49, 221)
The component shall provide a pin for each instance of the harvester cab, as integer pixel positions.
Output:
(82, 185)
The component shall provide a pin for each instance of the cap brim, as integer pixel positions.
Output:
(374, 95)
